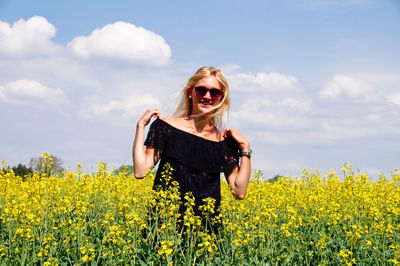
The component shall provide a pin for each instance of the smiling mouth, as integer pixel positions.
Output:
(205, 103)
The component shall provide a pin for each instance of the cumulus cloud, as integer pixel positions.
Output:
(29, 91)
(261, 81)
(120, 112)
(24, 38)
(124, 42)
(349, 87)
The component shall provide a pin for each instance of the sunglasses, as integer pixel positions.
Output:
(214, 93)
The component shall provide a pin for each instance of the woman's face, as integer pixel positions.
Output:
(206, 94)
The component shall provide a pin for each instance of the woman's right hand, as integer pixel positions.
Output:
(143, 159)
(145, 119)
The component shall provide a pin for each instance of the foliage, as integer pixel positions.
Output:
(116, 219)
(128, 169)
(46, 163)
(22, 170)
(275, 178)
(19, 170)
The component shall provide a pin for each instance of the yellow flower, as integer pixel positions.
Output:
(85, 258)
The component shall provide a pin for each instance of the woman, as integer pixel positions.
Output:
(194, 143)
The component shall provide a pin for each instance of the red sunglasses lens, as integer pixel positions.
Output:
(200, 91)
(214, 93)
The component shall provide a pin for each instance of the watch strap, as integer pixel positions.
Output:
(246, 153)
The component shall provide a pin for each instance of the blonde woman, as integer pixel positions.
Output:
(194, 142)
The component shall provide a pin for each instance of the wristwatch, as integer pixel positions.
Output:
(246, 153)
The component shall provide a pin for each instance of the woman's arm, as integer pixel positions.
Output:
(240, 176)
(143, 159)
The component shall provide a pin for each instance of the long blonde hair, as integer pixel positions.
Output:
(220, 116)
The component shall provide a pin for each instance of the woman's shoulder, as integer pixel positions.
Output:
(166, 124)
(162, 121)
(176, 123)
(173, 121)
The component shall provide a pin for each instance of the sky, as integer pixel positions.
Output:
(314, 83)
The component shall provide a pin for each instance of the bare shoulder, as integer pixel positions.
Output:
(169, 120)
(180, 123)
(177, 122)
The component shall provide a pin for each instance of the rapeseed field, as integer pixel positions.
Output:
(100, 218)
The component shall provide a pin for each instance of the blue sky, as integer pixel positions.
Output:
(315, 83)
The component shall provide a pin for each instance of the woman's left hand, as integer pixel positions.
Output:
(240, 139)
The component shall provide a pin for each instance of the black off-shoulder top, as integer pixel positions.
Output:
(197, 162)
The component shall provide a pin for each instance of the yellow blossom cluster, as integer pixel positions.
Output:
(101, 218)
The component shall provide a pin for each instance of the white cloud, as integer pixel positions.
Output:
(328, 133)
(120, 112)
(374, 117)
(261, 81)
(229, 68)
(29, 91)
(265, 113)
(340, 132)
(350, 87)
(323, 134)
(295, 104)
(124, 42)
(394, 99)
(25, 38)
(272, 137)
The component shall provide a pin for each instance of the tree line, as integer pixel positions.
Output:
(40, 165)
(37, 164)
